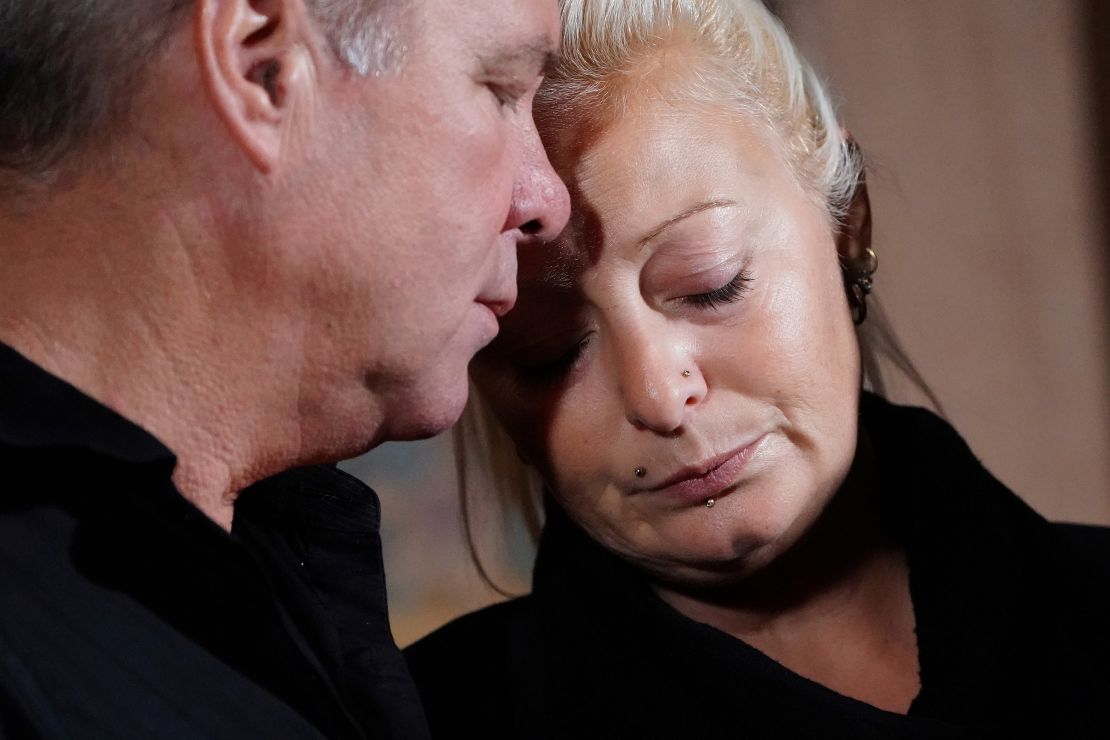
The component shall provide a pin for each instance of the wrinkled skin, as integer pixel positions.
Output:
(415, 202)
(278, 262)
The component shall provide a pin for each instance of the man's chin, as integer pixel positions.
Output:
(426, 413)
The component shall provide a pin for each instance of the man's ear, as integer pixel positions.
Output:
(252, 56)
(853, 239)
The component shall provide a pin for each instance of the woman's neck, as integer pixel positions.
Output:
(835, 608)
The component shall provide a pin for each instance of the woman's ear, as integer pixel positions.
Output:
(853, 245)
(853, 238)
(253, 57)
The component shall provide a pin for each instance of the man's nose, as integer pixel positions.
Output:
(541, 204)
(660, 382)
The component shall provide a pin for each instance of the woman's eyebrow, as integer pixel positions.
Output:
(695, 209)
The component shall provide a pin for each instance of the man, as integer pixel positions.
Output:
(239, 236)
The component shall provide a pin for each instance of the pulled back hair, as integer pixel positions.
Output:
(69, 68)
(735, 55)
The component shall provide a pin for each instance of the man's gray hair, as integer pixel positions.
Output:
(69, 68)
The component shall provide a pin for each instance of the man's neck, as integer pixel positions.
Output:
(125, 298)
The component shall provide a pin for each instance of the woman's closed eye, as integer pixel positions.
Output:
(730, 292)
(553, 370)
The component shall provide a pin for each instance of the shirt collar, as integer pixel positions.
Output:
(39, 410)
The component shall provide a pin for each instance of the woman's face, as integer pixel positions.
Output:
(691, 322)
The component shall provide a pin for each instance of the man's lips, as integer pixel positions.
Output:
(708, 478)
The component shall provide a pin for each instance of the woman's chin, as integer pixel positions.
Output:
(703, 556)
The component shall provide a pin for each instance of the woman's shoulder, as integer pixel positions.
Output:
(479, 634)
(1090, 539)
(476, 674)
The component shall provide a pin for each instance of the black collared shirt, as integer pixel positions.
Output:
(125, 612)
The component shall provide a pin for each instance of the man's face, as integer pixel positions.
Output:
(429, 177)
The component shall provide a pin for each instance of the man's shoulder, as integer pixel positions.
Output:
(125, 612)
(80, 657)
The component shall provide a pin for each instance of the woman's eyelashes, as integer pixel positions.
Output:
(554, 370)
(730, 292)
(547, 372)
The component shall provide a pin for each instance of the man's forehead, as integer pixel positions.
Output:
(522, 30)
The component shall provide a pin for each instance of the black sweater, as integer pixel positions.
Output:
(1012, 617)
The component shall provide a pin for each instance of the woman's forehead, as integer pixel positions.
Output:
(662, 161)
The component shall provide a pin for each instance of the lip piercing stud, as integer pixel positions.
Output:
(709, 503)
(640, 472)
(686, 373)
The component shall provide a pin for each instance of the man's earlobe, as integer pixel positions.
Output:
(250, 53)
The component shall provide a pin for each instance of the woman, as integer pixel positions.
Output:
(739, 541)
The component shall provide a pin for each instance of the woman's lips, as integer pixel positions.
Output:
(710, 478)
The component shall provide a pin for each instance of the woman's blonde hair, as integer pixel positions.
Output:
(733, 55)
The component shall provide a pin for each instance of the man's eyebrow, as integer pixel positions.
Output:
(692, 210)
(537, 54)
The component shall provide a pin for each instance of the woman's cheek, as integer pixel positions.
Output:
(576, 442)
(787, 314)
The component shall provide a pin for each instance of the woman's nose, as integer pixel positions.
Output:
(660, 384)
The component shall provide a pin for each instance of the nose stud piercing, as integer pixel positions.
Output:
(686, 373)
(640, 472)
(709, 503)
